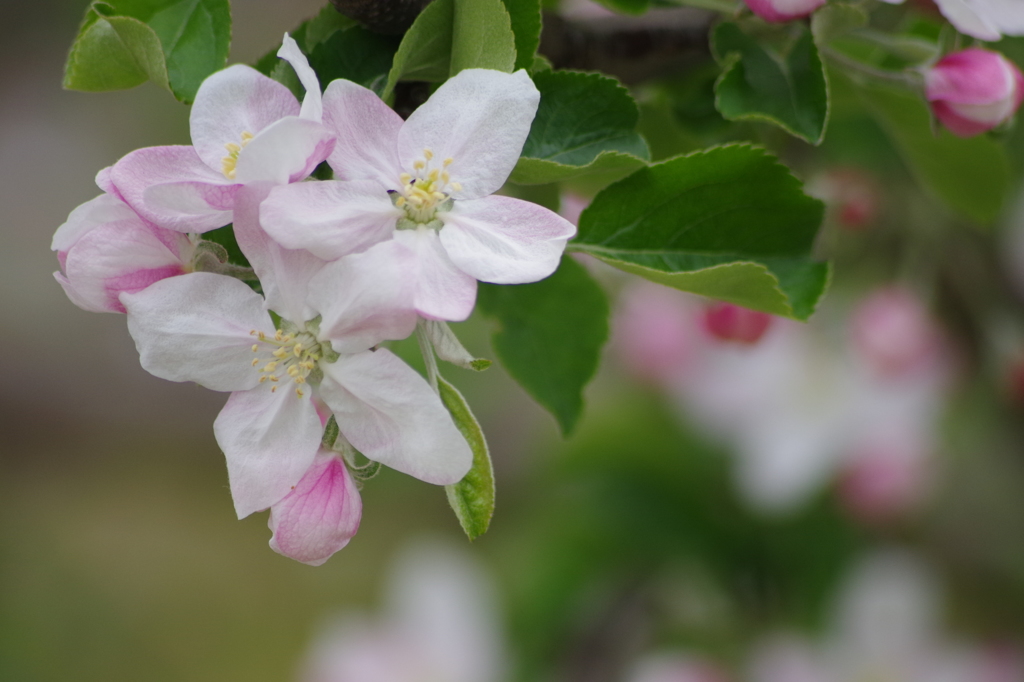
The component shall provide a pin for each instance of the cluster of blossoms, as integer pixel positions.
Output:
(799, 410)
(394, 245)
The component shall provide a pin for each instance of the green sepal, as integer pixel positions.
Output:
(472, 498)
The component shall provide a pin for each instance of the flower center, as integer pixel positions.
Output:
(426, 189)
(291, 356)
(230, 162)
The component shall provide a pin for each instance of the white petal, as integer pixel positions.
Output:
(366, 298)
(312, 107)
(284, 273)
(390, 414)
(442, 291)
(504, 240)
(105, 208)
(287, 151)
(269, 441)
(330, 219)
(480, 118)
(237, 100)
(196, 328)
(367, 130)
(968, 20)
(320, 515)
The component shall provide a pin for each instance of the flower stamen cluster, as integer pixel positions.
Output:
(295, 357)
(422, 194)
(229, 163)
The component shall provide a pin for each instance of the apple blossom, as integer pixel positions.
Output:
(105, 248)
(894, 334)
(974, 90)
(984, 19)
(216, 331)
(778, 11)
(423, 184)
(245, 128)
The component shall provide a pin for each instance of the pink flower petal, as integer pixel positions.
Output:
(389, 413)
(269, 441)
(320, 515)
(778, 11)
(367, 134)
(330, 219)
(237, 100)
(504, 240)
(286, 151)
(312, 106)
(173, 188)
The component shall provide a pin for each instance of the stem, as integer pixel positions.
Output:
(427, 349)
(900, 78)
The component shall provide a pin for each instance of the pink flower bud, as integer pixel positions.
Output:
(884, 479)
(894, 333)
(974, 90)
(320, 515)
(730, 322)
(779, 11)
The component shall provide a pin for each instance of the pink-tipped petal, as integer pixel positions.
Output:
(269, 441)
(330, 219)
(237, 100)
(312, 106)
(286, 151)
(389, 413)
(320, 515)
(196, 327)
(106, 208)
(123, 256)
(366, 298)
(971, 76)
(173, 188)
(504, 240)
(480, 119)
(442, 291)
(284, 273)
(367, 131)
(778, 11)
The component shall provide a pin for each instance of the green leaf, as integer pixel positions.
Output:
(970, 175)
(321, 27)
(836, 19)
(729, 222)
(472, 498)
(789, 90)
(482, 37)
(114, 53)
(426, 48)
(550, 336)
(193, 36)
(526, 24)
(354, 54)
(585, 123)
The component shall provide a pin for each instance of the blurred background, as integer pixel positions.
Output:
(746, 498)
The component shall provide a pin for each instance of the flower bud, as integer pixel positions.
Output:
(320, 515)
(779, 11)
(974, 90)
(894, 334)
(730, 322)
(885, 478)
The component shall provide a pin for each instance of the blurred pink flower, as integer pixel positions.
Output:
(730, 322)
(974, 90)
(675, 667)
(441, 623)
(778, 11)
(653, 331)
(894, 333)
(851, 194)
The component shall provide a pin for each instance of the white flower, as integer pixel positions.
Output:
(216, 331)
(424, 184)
